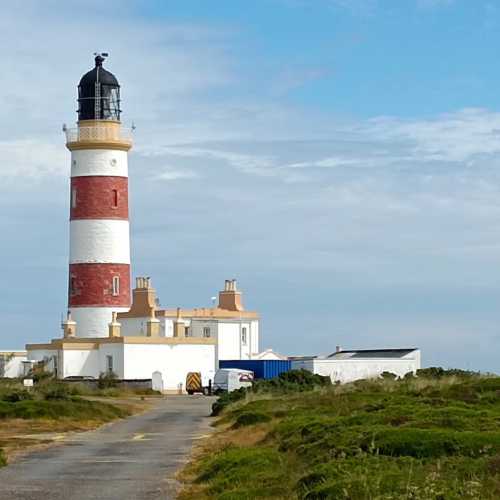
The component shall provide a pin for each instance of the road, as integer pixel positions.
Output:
(133, 459)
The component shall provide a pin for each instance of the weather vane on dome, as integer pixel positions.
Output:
(100, 57)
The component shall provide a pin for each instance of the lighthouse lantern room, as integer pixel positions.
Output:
(99, 264)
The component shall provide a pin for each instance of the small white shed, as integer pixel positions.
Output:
(348, 366)
(11, 363)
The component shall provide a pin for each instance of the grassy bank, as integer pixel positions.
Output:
(431, 437)
(40, 415)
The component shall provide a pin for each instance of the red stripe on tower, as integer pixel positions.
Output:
(99, 197)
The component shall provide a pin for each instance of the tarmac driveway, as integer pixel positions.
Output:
(134, 459)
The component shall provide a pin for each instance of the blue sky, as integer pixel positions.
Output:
(338, 157)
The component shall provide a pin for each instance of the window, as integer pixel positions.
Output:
(115, 198)
(206, 332)
(109, 364)
(72, 285)
(73, 198)
(116, 285)
(244, 335)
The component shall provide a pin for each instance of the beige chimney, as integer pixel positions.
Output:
(69, 327)
(153, 326)
(143, 298)
(230, 297)
(114, 327)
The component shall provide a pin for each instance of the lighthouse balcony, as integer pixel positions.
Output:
(98, 134)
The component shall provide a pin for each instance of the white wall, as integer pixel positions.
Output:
(133, 327)
(348, 370)
(12, 366)
(172, 361)
(254, 328)
(75, 363)
(117, 352)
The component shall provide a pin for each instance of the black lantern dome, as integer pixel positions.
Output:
(99, 94)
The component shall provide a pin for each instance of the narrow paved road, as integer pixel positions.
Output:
(134, 459)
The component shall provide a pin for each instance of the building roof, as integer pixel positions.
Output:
(372, 353)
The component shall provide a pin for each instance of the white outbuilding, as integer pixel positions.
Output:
(12, 363)
(348, 366)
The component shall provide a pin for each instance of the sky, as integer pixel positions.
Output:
(339, 158)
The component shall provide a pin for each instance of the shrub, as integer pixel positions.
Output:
(107, 380)
(15, 395)
(438, 372)
(226, 398)
(3, 460)
(56, 390)
(251, 418)
(292, 381)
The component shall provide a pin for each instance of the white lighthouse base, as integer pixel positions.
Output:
(92, 322)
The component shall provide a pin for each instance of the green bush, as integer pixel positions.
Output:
(227, 398)
(292, 381)
(250, 418)
(437, 372)
(3, 460)
(15, 395)
(107, 380)
(56, 390)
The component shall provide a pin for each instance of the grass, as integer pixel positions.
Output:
(37, 417)
(432, 437)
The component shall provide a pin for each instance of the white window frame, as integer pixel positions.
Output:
(206, 332)
(244, 335)
(73, 197)
(116, 286)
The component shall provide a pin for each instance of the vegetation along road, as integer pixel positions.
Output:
(431, 437)
(135, 458)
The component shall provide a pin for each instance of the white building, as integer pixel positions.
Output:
(147, 340)
(12, 363)
(348, 366)
(234, 330)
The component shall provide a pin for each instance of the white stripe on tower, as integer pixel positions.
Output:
(104, 241)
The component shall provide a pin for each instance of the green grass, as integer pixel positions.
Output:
(425, 438)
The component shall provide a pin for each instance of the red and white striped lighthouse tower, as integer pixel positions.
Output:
(99, 261)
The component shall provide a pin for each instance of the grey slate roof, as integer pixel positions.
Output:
(371, 353)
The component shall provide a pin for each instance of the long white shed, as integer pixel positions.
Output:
(348, 366)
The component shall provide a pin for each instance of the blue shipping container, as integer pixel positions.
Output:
(262, 368)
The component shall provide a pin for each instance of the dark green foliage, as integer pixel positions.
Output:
(388, 376)
(226, 398)
(250, 418)
(438, 372)
(291, 381)
(435, 437)
(107, 380)
(3, 461)
(56, 390)
(15, 395)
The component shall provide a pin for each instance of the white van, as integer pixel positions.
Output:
(230, 379)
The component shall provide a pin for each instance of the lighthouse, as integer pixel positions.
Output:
(99, 256)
